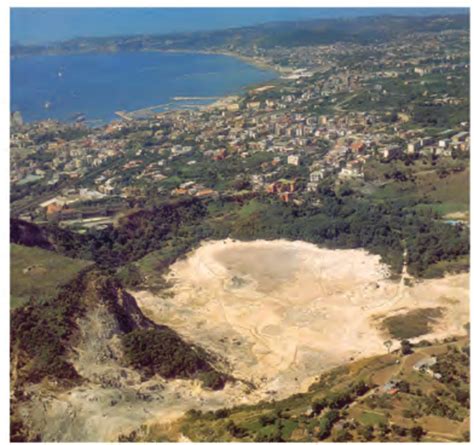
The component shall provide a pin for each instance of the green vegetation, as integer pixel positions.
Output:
(67, 133)
(441, 115)
(341, 220)
(456, 265)
(36, 274)
(130, 276)
(371, 418)
(412, 324)
(344, 405)
(40, 332)
(441, 185)
(450, 193)
(159, 350)
(406, 347)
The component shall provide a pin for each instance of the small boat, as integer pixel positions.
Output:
(79, 117)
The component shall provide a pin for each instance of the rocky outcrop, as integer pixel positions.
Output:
(69, 353)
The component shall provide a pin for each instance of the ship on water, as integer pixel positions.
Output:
(79, 117)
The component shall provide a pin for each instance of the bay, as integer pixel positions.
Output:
(97, 85)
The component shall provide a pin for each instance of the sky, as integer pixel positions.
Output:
(43, 25)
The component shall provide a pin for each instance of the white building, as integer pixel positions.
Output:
(294, 160)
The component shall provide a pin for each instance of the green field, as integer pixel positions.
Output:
(451, 194)
(443, 187)
(37, 273)
(371, 418)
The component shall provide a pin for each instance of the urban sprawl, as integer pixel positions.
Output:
(336, 112)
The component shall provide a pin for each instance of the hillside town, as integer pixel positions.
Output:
(337, 108)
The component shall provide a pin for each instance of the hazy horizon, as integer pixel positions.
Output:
(45, 25)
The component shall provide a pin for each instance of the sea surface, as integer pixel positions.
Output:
(98, 85)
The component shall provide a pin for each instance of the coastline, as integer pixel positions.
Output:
(263, 64)
(257, 62)
(168, 107)
(219, 101)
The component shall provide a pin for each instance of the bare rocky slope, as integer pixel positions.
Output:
(76, 358)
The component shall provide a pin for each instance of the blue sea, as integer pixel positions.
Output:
(97, 85)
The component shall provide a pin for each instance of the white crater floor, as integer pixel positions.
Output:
(282, 311)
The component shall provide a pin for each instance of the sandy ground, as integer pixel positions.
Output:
(277, 312)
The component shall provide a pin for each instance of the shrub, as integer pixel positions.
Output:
(367, 432)
(406, 347)
(403, 386)
(416, 433)
(160, 350)
(326, 423)
(221, 413)
(236, 431)
(213, 380)
(267, 420)
(318, 405)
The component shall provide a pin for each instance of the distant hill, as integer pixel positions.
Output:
(362, 30)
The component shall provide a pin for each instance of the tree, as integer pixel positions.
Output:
(403, 386)
(399, 430)
(271, 436)
(406, 347)
(343, 435)
(338, 400)
(368, 432)
(345, 190)
(236, 431)
(383, 429)
(318, 405)
(213, 380)
(241, 184)
(416, 433)
(130, 275)
(267, 420)
(360, 388)
(222, 413)
(462, 396)
(326, 423)
(388, 344)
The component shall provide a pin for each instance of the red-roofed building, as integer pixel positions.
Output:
(357, 147)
